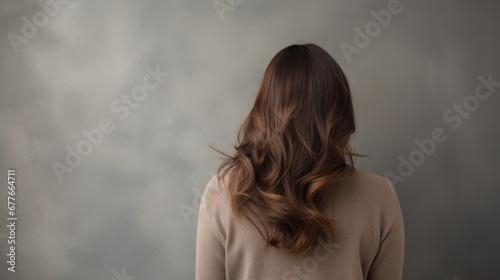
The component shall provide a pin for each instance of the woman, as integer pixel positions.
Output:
(290, 204)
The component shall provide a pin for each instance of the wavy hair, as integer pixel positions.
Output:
(293, 149)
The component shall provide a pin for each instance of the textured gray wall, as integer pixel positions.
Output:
(125, 205)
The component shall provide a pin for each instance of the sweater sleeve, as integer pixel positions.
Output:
(388, 263)
(210, 252)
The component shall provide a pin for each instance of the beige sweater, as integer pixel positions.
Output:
(369, 238)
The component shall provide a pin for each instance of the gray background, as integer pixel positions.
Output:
(130, 206)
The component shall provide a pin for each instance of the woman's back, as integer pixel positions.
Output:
(369, 238)
(291, 204)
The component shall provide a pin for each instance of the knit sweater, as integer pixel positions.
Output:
(369, 238)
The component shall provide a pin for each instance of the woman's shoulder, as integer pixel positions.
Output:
(214, 191)
(361, 179)
(369, 188)
(215, 197)
(370, 181)
(362, 184)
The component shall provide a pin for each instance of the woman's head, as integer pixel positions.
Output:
(293, 148)
(305, 99)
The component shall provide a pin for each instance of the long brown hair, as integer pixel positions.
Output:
(293, 149)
